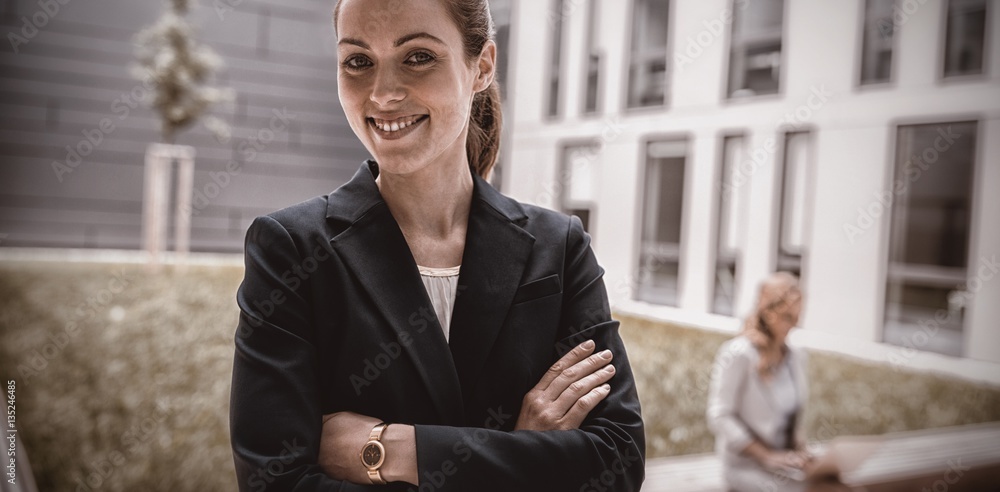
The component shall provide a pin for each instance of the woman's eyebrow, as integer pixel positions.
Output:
(418, 35)
(399, 42)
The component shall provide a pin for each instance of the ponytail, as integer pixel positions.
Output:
(485, 121)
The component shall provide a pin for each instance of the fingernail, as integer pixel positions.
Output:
(606, 354)
(606, 387)
(589, 344)
(609, 368)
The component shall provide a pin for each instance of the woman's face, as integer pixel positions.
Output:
(782, 314)
(404, 81)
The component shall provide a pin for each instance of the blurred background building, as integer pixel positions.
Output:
(706, 143)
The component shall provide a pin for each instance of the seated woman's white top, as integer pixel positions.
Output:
(441, 285)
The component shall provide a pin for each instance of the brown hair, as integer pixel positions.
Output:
(474, 21)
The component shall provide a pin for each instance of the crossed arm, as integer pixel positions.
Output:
(573, 430)
(568, 391)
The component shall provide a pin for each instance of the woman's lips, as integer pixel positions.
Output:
(398, 128)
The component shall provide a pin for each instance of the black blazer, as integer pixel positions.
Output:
(334, 317)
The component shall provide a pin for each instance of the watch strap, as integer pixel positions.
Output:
(376, 435)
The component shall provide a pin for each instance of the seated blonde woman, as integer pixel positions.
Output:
(757, 395)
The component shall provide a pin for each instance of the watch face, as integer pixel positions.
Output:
(371, 455)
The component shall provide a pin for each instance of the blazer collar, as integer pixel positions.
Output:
(496, 252)
(353, 199)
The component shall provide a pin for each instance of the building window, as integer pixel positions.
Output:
(796, 172)
(500, 11)
(580, 175)
(965, 40)
(556, 19)
(877, 43)
(731, 221)
(755, 53)
(647, 76)
(932, 193)
(663, 203)
(591, 95)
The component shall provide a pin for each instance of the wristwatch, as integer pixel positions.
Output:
(373, 454)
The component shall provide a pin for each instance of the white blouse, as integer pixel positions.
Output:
(441, 285)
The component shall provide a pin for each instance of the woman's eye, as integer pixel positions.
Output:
(419, 58)
(356, 63)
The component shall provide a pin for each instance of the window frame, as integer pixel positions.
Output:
(726, 97)
(557, 9)
(626, 73)
(639, 218)
(716, 238)
(975, 213)
(942, 55)
(591, 48)
(860, 53)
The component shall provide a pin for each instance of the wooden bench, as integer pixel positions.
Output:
(955, 459)
(690, 473)
(952, 459)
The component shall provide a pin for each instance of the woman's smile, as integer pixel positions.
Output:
(394, 129)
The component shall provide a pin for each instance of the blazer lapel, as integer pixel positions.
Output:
(495, 255)
(374, 249)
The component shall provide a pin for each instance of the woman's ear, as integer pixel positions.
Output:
(487, 66)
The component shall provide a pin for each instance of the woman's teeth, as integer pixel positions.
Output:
(395, 125)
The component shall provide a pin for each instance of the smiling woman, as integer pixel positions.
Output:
(370, 367)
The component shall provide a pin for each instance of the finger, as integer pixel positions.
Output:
(577, 372)
(580, 352)
(581, 387)
(579, 411)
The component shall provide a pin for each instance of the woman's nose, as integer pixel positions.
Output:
(387, 88)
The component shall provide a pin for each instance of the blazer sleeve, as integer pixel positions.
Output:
(607, 452)
(275, 420)
(729, 373)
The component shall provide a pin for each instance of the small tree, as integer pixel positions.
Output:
(179, 70)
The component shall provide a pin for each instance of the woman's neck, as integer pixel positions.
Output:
(433, 201)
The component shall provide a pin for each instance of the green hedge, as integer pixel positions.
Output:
(123, 379)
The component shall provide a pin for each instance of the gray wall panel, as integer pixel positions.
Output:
(68, 77)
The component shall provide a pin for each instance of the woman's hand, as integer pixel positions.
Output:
(344, 434)
(784, 460)
(568, 391)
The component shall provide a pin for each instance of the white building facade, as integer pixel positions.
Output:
(707, 143)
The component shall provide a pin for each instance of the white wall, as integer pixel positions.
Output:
(854, 133)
